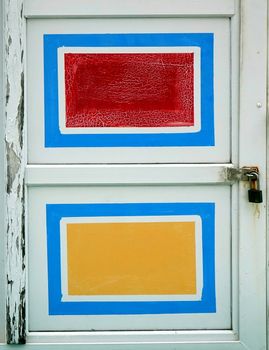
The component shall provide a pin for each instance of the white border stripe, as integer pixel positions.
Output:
(199, 258)
(134, 130)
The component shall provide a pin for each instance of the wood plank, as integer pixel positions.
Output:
(252, 150)
(171, 337)
(15, 162)
(83, 8)
(42, 175)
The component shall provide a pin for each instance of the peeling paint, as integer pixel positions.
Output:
(20, 113)
(230, 175)
(7, 91)
(23, 225)
(21, 310)
(10, 282)
(15, 164)
(8, 324)
(21, 13)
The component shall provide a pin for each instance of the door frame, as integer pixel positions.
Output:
(2, 189)
(252, 120)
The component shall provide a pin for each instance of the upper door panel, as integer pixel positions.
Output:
(128, 90)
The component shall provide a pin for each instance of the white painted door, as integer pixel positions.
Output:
(137, 116)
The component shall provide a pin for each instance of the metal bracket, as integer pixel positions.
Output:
(240, 174)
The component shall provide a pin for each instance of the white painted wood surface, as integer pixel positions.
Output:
(249, 227)
(125, 337)
(266, 183)
(251, 243)
(39, 320)
(2, 187)
(44, 175)
(220, 153)
(83, 8)
(252, 150)
(132, 345)
(15, 163)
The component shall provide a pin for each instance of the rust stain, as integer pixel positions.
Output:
(257, 212)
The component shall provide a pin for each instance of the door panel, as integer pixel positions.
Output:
(158, 85)
(134, 257)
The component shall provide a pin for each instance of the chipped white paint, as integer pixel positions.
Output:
(2, 279)
(15, 162)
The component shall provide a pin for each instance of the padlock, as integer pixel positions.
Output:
(254, 193)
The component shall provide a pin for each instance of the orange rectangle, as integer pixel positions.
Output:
(132, 258)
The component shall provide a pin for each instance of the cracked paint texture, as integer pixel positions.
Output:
(129, 90)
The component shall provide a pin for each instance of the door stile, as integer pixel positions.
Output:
(14, 171)
(2, 189)
(252, 150)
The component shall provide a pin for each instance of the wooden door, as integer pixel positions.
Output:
(138, 233)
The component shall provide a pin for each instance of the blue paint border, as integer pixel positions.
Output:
(53, 136)
(55, 212)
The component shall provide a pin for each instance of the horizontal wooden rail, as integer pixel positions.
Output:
(82, 8)
(38, 175)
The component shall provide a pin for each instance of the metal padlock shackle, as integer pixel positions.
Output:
(254, 180)
(254, 174)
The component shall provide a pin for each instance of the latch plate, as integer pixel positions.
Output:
(240, 174)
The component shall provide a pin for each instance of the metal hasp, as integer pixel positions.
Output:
(252, 175)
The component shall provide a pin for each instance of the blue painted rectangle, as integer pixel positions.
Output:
(53, 135)
(55, 212)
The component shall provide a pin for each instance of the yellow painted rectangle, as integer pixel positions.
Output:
(133, 258)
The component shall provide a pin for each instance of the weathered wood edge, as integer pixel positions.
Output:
(14, 170)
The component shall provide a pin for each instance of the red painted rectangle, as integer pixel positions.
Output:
(129, 89)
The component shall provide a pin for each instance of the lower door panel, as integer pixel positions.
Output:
(129, 258)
